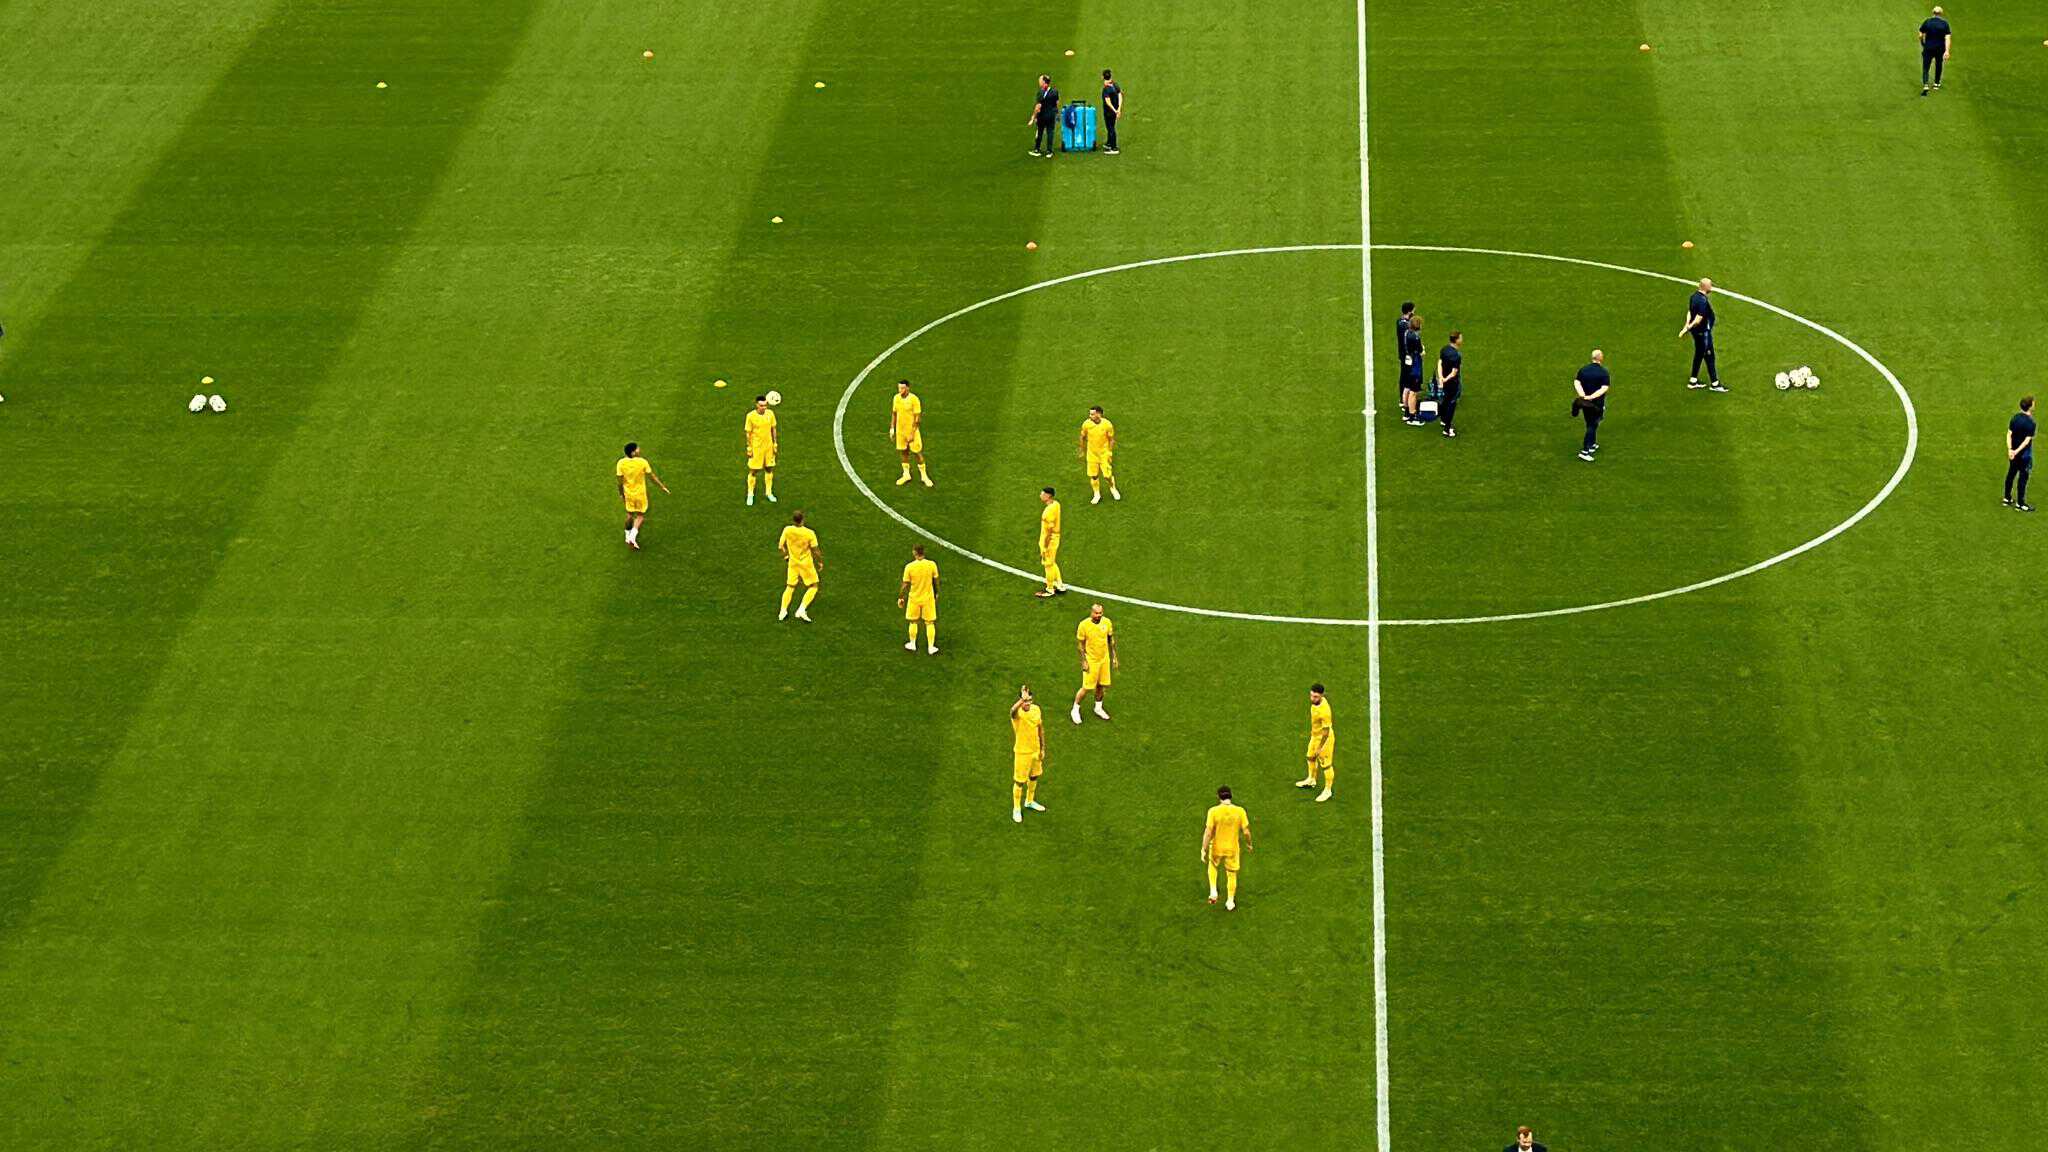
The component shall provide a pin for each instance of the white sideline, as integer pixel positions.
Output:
(1372, 626)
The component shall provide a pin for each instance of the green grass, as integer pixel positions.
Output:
(359, 789)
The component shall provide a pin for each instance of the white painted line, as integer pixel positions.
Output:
(1891, 485)
(1382, 1107)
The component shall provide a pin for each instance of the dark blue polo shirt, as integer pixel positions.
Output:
(1448, 361)
(1703, 308)
(1112, 98)
(1592, 378)
(1936, 30)
(2021, 428)
(1048, 104)
(1412, 352)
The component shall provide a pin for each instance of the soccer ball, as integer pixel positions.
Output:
(1813, 381)
(198, 404)
(1783, 381)
(774, 398)
(216, 403)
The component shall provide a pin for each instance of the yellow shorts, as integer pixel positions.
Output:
(1328, 753)
(1096, 675)
(912, 443)
(636, 501)
(1026, 767)
(806, 572)
(927, 609)
(1098, 465)
(1224, 860)
(759, 458)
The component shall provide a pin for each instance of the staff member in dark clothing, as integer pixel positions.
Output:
(1411, 369)
(1112, 111)
(2019, 454)
(1589, 399)
(1525, 1141)
(1046, 115)
(1450, 381)
(1934, 43)
(1699, 324)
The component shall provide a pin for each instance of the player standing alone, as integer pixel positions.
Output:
(1699, 324)
(919, 599)
(1098, 448)
(1049, 545)
(1322, 743)
(1027, 754)
(1450, 382)
(634, 471)
(1935, 39)
(763, 442)
(1227, 831)
(1096, 639)
(906, 430)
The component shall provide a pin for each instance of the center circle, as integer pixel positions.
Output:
(1898, 475)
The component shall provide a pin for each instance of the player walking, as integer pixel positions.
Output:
(1098, 447)
(634, 472)
(919, 599)
(1322, 743)
(1227, 832)
(799, 545)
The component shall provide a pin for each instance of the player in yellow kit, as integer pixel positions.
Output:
(1049, 545)
(634, 471)
(799, 545)
(1096, 640)
(1098, 445)
(919, 599)
(906, 431)
(763, 442)
(1322, 743)
(1227, 833)
(1027, 754)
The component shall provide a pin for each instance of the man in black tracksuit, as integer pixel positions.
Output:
(1450, 382)
(1589, 399)
(2019, 454)
(1046, 115)
(1934, 43)
(1112, 111)
(1699, 324)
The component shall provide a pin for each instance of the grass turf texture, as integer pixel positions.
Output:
(360, 790)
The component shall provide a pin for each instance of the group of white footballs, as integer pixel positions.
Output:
(201, 401)
(1800, 377)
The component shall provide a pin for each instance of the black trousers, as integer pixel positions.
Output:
(2018, 470)
(1930, 57)
(1593, 414)
(1109, 126)
(1048, 136)
(1447, 408)
(1703, 353)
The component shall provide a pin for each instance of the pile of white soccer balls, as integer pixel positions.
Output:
(201, 402)
(1800, 377)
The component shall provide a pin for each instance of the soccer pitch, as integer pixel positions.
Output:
(360, 788)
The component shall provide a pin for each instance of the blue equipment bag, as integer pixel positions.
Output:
(1077, 127)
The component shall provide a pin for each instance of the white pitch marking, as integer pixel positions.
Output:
(1884, 493)
(1382, 1107)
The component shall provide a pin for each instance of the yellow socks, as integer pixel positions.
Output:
(931, 633)
(1031, 790)
(810, 594)
(1329, 776)
(923, 475)
(1095, 484)
(1231, 883)
(750, 483)
(1052, 577)
(768, 482)
(913, 633)
(786, 593)
(1016, 797)
(1212, 876)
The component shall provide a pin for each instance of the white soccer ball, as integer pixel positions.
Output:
(198, 403)
(1783, 381)
(1813, 381)
(774, 398)
(216, 403)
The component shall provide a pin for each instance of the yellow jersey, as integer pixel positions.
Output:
(1319, 728)
(1095, 636)
(1100, 435)
(760, 430)
(1029, 726)
(1049, 524)
(1226, 820)
(633, 470)
(798, 541)
(907, 410)
(922, 576)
